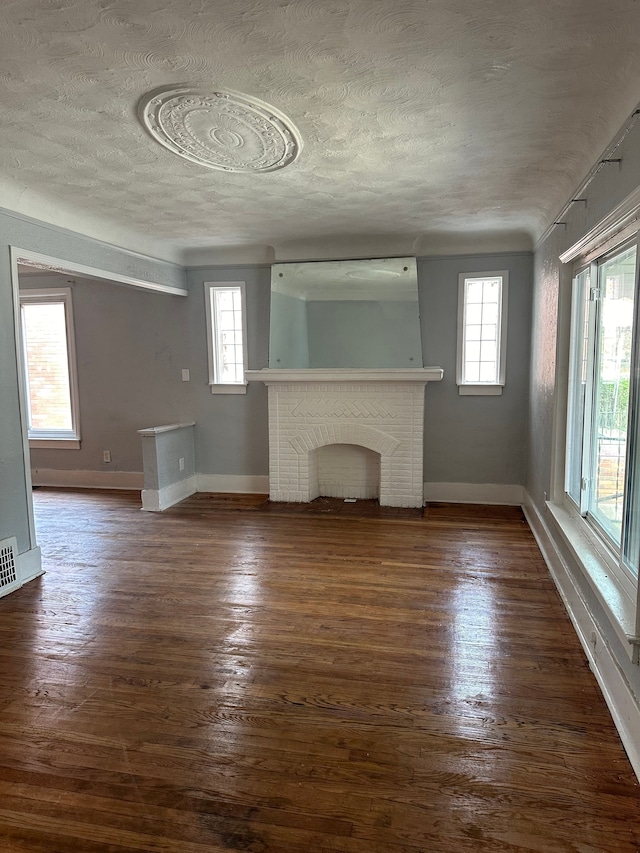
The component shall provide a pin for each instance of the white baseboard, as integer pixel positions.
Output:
(474, 493)
(244, 484)
(157, 500)
(87, 479)
(482, 493)
(616, 691)
(29, 565)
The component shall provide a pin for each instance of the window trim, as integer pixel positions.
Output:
(609, 553)
(482, 388)
(215, 386)
(616, 589)
(52, 438)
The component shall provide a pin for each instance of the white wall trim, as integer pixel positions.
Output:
(29, 565)
(237, 483)
(157, 500)
(622, 216)
(151, 431)
(47, 262)
(617, 693)
(173, 258)
(87, 479)
(474, 493)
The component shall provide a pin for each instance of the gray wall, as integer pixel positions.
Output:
(130, 348)
(161, 456)
(231, 429)
(549, 352)
(132, 345)
(551, 306)
(37, 237)
(474, 439)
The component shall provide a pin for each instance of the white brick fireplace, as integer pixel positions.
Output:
(380, 411)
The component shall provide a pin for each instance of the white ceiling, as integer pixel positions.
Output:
(426, 123)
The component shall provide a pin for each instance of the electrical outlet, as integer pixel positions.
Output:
(181, 463)
(185, 374)
(106, 456)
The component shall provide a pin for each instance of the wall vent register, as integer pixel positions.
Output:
(8, 574)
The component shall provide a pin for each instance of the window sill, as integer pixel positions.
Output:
(613, 590)
(54, 443)
(480, 390)
(240, 388)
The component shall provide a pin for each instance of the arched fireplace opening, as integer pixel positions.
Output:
(344, 471)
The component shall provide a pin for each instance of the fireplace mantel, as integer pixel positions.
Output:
(271, 376)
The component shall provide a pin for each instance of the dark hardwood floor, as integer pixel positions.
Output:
(228, 677)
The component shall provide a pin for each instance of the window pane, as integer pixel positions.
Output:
(473, 351)
(487, 371)
(473, 333)
(227, 323)
(481, 336)
(49, 392)
(578, 359)
(474, 291)
(491, 291)
(631, 544)
(224, 300)
(616, 280)
(490, 313)
(472, 371)
(490, 332)
(226, 320)
(474, 314)
(488, 353)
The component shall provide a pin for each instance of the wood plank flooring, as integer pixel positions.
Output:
(220, 678)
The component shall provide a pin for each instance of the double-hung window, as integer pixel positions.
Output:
(226, 336)
(50, 368)
(482, 334)
(602, 458)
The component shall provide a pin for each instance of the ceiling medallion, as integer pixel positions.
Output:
(222, 130)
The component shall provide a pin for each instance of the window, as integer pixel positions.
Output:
(226, 333)
(482, 338)
(50, 368)
(602, 476)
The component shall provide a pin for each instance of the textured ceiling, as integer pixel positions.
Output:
(421, 119)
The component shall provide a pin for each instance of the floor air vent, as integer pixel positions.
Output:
(8, 568)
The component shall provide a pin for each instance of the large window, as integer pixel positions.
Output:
(601, 463)
(226, 332)
(49, 357)
(482, 313)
